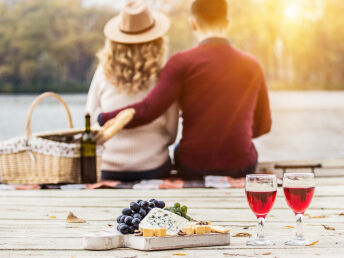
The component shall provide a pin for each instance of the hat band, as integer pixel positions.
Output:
(140, 31)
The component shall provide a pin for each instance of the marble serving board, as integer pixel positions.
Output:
(107, 240)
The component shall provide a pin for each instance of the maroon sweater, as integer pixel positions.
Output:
(224, 102)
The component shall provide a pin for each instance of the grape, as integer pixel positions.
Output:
(179, 213)
(126, 211)
(151, 204)
(148, 210)
(134, 206)
(188, 217)
(119, 218)
(142, 212)
(144, 204)
(156, 203)
(137, 216)
(135, 222)
(161, 204)
(138, 201)
(122, 218)
(177, 205)
(184, 209)
(123, 228)
(152, 200)
(131, 229)
(128, 220)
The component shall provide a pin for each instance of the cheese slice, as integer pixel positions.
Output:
(160, 232)
(147, 232)
(159, 218)
(189, 230)
(199, 230)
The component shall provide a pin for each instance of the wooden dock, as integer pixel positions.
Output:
(32, 223)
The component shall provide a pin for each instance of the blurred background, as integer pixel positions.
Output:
(51, 46)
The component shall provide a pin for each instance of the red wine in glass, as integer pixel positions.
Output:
(298, 191)
(261, 202)
(298, 198)
(261, 192)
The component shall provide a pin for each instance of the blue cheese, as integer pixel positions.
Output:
(159, 218)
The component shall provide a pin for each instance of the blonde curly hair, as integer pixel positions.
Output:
(132, 68)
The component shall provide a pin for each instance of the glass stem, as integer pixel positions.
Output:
(299, 228)
(260, 233)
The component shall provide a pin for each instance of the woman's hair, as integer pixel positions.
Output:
(132, 67)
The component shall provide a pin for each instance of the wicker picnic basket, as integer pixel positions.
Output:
(43, 158)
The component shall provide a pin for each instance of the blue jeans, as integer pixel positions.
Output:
(158, 173)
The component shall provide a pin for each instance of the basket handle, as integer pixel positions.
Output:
(37, 101)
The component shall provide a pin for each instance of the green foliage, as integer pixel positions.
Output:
(51, 45)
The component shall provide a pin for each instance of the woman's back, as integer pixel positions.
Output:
(139, 149)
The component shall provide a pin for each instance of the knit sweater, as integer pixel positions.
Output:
(224, 101)
(139, 149)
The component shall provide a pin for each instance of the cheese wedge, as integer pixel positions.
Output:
(207, 229)
(159, 218)
(188, 230)
(199, 230)
(219, 229)
(147, 232)
(160, 232)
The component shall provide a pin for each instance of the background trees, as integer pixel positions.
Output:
(51, 45)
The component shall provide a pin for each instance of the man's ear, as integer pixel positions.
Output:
(193, 24)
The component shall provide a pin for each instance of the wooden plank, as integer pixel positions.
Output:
(204, 252)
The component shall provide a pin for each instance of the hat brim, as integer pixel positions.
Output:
(161, 26)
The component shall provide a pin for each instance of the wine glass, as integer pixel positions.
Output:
(298, 191)
(261, 193)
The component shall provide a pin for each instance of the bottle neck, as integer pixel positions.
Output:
(87, 124)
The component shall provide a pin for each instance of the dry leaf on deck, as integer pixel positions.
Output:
(52, 217)
(242, 235)
(328, 227)
(319, 217)
(71, 218)
(180, 254)
(314, 243)
(341, 214)
(288, 226)
(269, 253)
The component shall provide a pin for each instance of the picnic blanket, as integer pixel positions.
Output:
(219, 182)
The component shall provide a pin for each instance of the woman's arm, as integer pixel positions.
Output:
(172, 122)
(93, 105)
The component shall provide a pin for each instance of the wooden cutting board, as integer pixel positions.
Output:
(107, 240)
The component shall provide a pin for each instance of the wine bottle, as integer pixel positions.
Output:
(88, 154)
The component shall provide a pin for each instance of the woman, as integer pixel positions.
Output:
(129, 67)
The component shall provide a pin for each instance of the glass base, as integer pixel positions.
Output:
(260, 242)
(298, 242)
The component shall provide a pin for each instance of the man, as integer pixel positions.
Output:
(222, 95)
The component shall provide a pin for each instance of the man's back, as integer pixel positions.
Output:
(224, 100)
(221, 87)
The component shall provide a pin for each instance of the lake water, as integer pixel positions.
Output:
(306, 125)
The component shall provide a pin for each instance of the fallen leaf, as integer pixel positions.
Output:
(269, 253)
(328, 227)
(245, 228)
(314, 243)
(242, 235)
(52, 217)
(341, 214)
(71, 218)
(288, 226)
(318, 217)
(109, 225)
(180, 254)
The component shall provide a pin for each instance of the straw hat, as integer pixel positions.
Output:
(136, 24)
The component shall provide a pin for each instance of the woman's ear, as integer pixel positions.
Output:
(193, 24)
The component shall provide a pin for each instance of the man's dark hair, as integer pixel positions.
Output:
(210, 13)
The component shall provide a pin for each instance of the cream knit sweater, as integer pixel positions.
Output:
(138, 149)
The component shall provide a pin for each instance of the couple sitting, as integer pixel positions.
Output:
(220, 92)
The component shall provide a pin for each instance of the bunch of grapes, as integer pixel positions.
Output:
(131, 217)
(179, 210)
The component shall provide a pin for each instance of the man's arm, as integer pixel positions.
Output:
(166, 92)
(262, 114)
